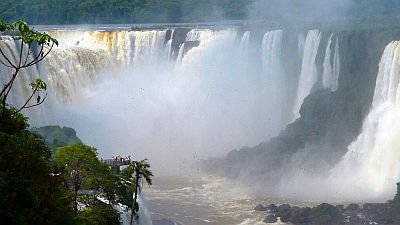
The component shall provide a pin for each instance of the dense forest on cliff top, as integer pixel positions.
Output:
(121, 11)
(147, 11)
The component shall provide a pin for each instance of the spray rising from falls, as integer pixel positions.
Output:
(209, 91)
(182, 89)
(372, 165)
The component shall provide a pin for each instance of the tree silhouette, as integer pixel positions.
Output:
(138, 172)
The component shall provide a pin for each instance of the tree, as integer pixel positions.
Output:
(31, 190)
(138, 172)
(30, 186)
(104, 182)
(79, 162)
(99, 214)
(33, 47)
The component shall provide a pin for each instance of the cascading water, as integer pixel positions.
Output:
(199, 35)
(21, 89)
(209, 95)
(371, 166)
(144, 213)
(84, 56)
(180, 53)
(331, 66)
(244, 44)
(273, 80)
(309, 73)
(201, 95)
(210, 84)
(193, 36)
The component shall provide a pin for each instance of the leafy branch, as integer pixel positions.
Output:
(28, 40)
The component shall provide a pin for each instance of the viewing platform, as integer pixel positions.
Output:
(116, 162)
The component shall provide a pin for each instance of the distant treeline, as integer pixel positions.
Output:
(171, 11)
(122, 11)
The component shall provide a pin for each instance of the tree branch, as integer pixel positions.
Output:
(42, 57)
(27, 101)
(36, 58)
(4, 64)
(20, 53)
(2, 53)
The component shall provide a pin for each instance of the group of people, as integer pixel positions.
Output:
(121, 159)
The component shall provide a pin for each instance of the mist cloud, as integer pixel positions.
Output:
(295, 10)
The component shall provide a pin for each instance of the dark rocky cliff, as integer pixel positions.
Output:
(329, 121)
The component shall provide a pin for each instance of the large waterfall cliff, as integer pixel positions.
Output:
(298, 96)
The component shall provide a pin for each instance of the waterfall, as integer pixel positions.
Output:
(181, 54)
(331, 66)
(21, 89)
(199, 35)
(309, 73)
(244, 44)
(67, 80)
(336, 67)
(371, 166)
(193, 35)
(273, 79)
(149, 46)
(300, 44)
(271, 52)
(144, 213)
(84, 56)
(169, 49)
(217, 89)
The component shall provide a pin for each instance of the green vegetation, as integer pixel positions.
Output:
(56, 136)
(80, 169)
(167, 11)
(122, 11)
(100, 214)
(31, 192)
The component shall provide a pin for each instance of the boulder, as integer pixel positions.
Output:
(340, 208)
(272, 208)
(353, 207)
(260, 208)
(300, 215)
(283, 212)
(270, 219)
(284, 207)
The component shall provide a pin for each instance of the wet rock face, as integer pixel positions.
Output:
(284, 212)
(260, 208)
(325, 214)
(272, 208)
(352, 207)
(329, 121)
(270, 219)
(178, 38)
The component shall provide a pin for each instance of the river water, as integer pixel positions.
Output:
(205, 201)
